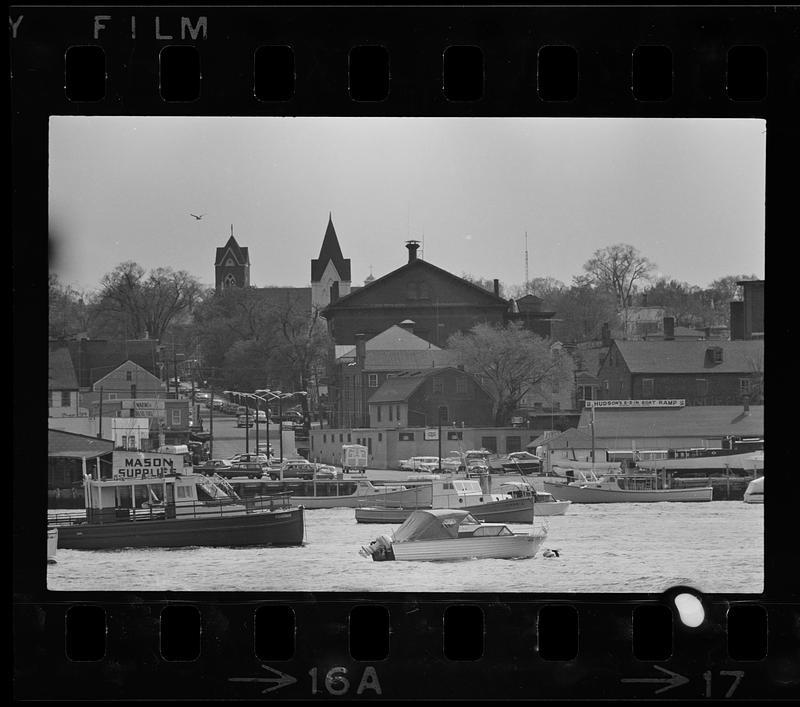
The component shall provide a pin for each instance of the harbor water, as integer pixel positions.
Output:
(617, 548)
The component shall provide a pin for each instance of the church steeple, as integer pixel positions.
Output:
(331, 266)
(232, 265)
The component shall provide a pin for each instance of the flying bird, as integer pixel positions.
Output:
(196, 216)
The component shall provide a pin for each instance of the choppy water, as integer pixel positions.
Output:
(624, 547)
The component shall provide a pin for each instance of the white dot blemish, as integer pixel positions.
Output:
(690, 609)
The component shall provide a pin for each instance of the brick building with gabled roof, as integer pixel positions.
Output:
(423, 398)
(700, 372)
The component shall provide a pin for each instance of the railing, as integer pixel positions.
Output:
(177, 510)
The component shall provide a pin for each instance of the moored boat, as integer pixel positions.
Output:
(176, 510)
(337, 493)
(445, 534)
(623, 488)
(754, 493)
(52, 544)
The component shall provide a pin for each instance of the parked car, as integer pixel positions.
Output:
(293, 469)
(212, 466)
(420, 464)
(326, 471)
(245, 458)
(252, 470)
(244, 421)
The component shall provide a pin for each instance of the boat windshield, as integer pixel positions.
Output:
(435, 524)
(207, 490)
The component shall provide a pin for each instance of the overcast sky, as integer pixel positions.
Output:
(687, 193)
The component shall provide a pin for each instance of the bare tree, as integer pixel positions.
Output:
(147, 303)
(618, 268)
(510, 360)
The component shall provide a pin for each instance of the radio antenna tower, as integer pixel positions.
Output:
(527, 278)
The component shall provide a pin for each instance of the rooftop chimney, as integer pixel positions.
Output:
(408, 325)
(496, 287)
(669, 328)
(361, 349)
(605, 334)
(412, 250)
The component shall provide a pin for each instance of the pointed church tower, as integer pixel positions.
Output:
(232, 265)
(330, 267)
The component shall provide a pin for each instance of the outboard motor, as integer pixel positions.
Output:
(379, 549)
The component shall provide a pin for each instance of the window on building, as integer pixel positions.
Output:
(605, 385)
(380, 436)
(341, 437)
(348, 438)
(437, 384)
(64, 398)
(648, 387)
(128, 375)
(110, 396)
(406, 437)
(461, 385)
(744, 386)
(369, 446)
(513, 444)
(397, 410)
(176, 418)
(378, 411)
(390, 413)
(372, 380)
(229, 281)
(455, 434)
(444, 413)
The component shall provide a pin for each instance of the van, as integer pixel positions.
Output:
(354, 457)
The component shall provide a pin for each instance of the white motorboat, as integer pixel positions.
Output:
(754, 493)
(444, 534)
(544, 503)
(52, 544)
(623, 488)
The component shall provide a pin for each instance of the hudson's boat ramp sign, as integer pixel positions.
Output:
(669, 403)
(141, 465)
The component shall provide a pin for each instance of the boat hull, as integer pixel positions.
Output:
(589, 494)
(280, 527)
(754, 493)
(501, 547)
(747, 462)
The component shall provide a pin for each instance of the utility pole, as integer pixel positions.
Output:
(100, 431)
(211, 427)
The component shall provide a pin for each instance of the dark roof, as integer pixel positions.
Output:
(298, 297)
(330, 251)
(61, 373)
(241, 254)
(393, 360)
(69, 444)
(690, 421)
(351, 299)
(690, 356)
(398, 388)
(94, 358)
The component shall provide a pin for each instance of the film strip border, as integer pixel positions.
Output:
(177, 649)
(407, 61)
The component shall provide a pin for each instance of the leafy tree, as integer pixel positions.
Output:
(146, 304)
(618, 269)
(509, 360)
(581, 310)
(680, 300)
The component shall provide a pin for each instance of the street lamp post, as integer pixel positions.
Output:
(279, 396)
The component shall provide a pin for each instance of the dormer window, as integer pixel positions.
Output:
(714, 354)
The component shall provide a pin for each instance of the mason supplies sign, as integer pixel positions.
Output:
(142, 465)
(150, 407)
(668, 403)
(431, 434)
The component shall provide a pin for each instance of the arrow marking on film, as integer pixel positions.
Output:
(282, 679)
(674, 680)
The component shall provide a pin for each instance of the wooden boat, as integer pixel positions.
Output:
(336, 493)
(754, 493)
(176, 510)
(516, 503)
(445, 534)
(52, 544)
(623, 488)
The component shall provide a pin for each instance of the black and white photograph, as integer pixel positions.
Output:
(362, 354)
